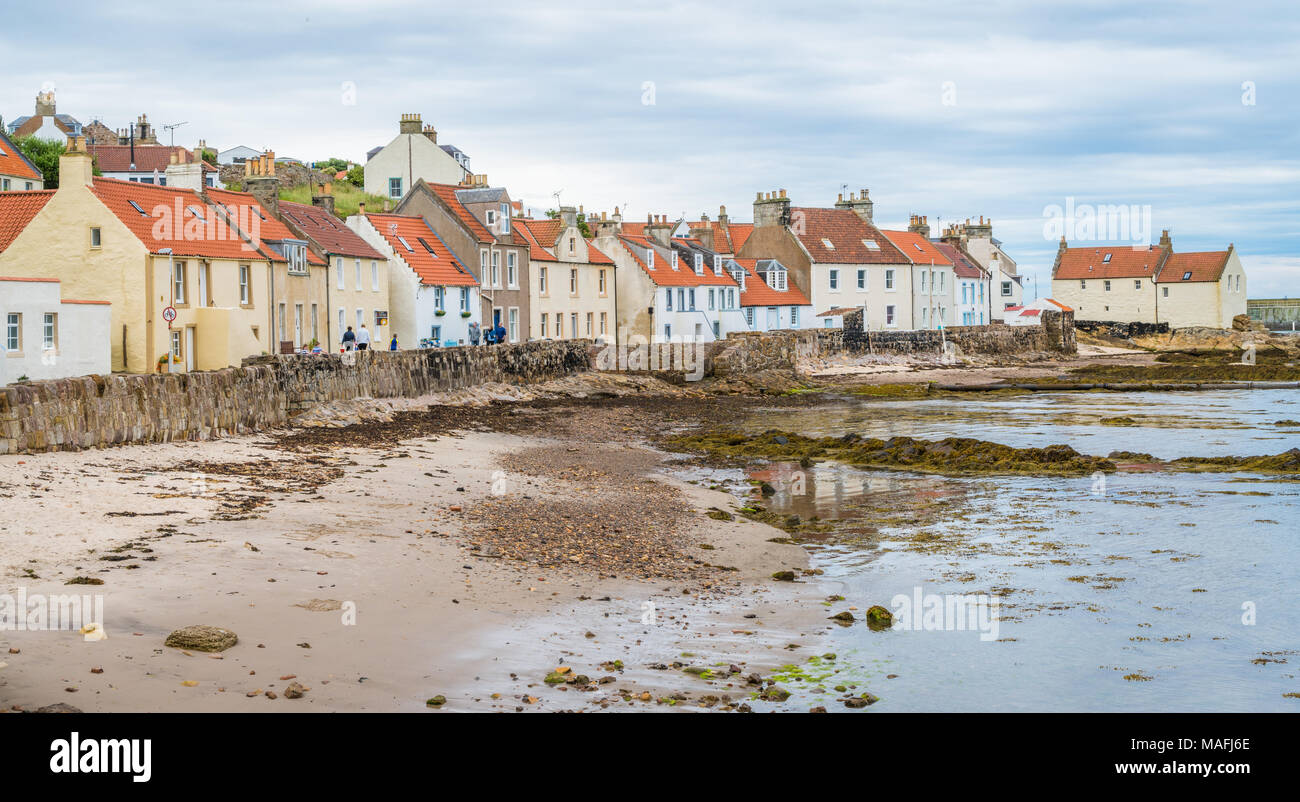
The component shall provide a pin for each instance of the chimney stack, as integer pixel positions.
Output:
(431, 133)
(324, 198)
(860, 204)
(261, 183)
(919, 225)
(75, 165)
(659, 230)
(409, 124)
(772, 209)
(569, 216)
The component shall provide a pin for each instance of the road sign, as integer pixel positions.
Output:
(169, 314)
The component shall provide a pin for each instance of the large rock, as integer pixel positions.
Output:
(202, 638)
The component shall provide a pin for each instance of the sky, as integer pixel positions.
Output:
(1186, 115)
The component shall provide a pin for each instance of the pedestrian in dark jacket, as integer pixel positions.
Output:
(349, 339)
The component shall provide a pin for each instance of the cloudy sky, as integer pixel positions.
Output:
(1002, 109)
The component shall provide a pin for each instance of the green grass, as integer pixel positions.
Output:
(346, 198)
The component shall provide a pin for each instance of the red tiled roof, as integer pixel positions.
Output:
(839, 310)
(448, 194)
(17, 210)
(758, 293)
(536, 251)
(739, 232)
(919, 249)
(846, 233)
(663, 275)
(270, 228)
(1124, 262)
(962, 265)
(327, 230)
(1203, 266)
(423, 250)
(14, 163)
(597, 256)
(214, 239)
(117, 158)
(1055, 302)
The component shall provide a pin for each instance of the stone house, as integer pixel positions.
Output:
(413, 155)
(836, 257)
(470, 220)
(1150, 284)
(661, 295)
(357, 282)
(978, 243)
(433, 294)
(933, 281)
(573, 282)
(145, 248)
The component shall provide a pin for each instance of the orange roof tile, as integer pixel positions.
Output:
(420, 247)
(161, 216)
(448, 194)
(596, 256)
(919, 249)
(663, 275)
(17, 210)
(739, 233)
(1109, 261)
(536, 250)
(270, 228)
(847, 235)
(1199, 266)
(14, 163)
(147, 158)
(758, 293)
(327, 230)
(962, 265)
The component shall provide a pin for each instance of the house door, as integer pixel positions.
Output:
(496, 316)
(189, 348)
(773, 319)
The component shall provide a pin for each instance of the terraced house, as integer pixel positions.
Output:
(143, 249)
(1150, 284)
(932, 280)
(356, 285)
(474, 220)
(572, 280)
(836, 257)
(664, 297)
(768, 300)
(433, 294)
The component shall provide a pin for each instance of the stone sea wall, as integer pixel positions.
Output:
(91, 411)
(749, 353)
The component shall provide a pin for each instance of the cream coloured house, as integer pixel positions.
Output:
(414, 154)
(144, 249)
(572, 281)
(1150, 284)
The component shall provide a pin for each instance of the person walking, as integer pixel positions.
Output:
(363, 338)
(499, 333)
(349, 339)
(473, 332)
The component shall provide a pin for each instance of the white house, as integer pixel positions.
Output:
(50, 337)
(237, 155)
(393, 170)
(432, 296)
(768, 299)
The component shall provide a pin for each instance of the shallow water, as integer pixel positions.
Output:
(1169, 425)
(1134, 595)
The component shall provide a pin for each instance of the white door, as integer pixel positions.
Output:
(773, 319)
(189, 348)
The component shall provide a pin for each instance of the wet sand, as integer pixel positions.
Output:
(283, 557)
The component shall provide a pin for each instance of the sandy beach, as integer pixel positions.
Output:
(381, 576)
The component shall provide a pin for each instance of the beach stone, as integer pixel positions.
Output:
(202, 638)
(58, 707)
(879, 618)
(294, 691)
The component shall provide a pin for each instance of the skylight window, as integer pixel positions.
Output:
(194, 210)
(1187, 275)
(914, 245)
(136, 206)
(872, 245)
(428, 247)
(1105, 259)
(405, 244)
(830, 246)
